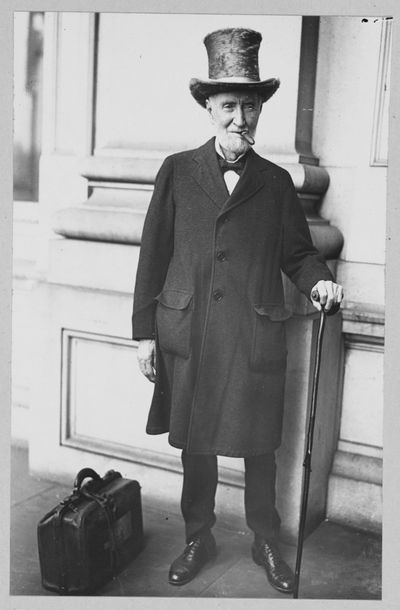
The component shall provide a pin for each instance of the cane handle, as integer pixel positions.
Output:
(315, 295)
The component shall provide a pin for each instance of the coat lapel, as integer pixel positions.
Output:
(208, 175)
(250, 182)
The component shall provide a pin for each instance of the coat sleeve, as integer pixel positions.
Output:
(301, 261)
(155, 253)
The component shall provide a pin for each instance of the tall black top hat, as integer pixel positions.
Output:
(233, 65)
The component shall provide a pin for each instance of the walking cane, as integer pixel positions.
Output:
(307, 457)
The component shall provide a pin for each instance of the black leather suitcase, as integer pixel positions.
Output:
(92, 534)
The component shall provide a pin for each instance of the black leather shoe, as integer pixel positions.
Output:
(279, 574)
(197, 553)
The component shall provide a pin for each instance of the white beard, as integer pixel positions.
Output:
(233, 143)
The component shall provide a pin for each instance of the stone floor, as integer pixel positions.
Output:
(338, 563)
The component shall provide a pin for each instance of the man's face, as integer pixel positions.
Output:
(232, 113)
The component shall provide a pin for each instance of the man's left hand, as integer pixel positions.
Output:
(330, 296)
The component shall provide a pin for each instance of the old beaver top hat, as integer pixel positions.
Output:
(232, 65)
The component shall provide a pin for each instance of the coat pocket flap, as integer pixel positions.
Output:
(175, 299)
(274, 311)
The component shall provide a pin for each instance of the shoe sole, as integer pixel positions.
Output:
(260, 562)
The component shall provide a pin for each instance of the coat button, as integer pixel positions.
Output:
(218, 295)
(221, 256)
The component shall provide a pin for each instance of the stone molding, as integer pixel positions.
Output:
(365, 321)
(121, 187)
(355, 491)
(357, 466)
(136, 167)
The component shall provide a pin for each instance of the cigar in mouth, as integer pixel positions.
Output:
(247, 137)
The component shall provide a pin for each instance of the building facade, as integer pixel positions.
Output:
(115, 103)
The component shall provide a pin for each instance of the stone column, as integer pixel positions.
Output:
(312, 183)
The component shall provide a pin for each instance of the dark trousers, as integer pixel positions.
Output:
(200, 478)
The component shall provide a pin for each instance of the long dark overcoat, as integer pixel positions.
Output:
(209, 289)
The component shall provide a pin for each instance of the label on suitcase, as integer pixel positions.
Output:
(92, 534)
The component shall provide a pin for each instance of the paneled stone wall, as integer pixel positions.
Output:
(350, 137)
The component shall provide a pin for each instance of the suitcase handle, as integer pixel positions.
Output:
(83, 474)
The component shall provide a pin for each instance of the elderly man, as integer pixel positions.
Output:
(209, 308)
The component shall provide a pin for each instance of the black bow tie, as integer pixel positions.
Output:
(236, 166)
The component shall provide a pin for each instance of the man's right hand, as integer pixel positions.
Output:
(146, 355)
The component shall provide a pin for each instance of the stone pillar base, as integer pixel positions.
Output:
(355, 491)
(302, 335)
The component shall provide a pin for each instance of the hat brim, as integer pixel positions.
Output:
(202, 89)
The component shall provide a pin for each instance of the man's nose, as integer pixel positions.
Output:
(239, 119)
